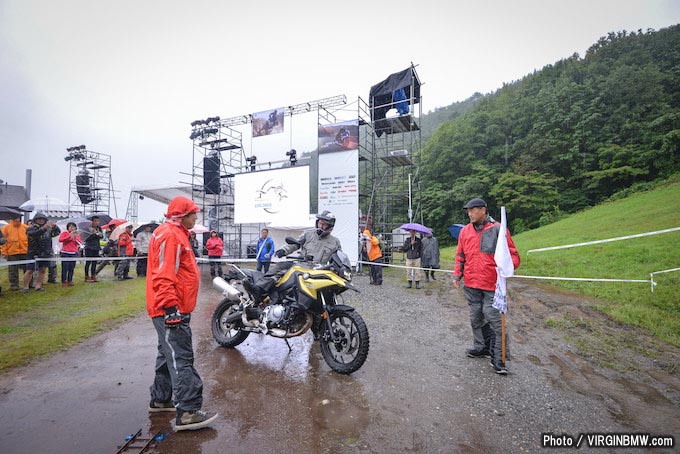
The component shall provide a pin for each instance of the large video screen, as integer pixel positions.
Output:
(280, 196)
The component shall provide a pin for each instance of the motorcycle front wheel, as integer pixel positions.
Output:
(227, 334)
(350, 349)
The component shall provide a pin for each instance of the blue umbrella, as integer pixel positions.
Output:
(455, 229)
(417, 227)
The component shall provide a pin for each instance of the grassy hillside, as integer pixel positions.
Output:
(630, 303)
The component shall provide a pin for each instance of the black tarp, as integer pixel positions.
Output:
(380, 97)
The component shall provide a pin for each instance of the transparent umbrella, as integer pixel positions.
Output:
(45, 203)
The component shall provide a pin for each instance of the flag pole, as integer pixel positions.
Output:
(503, 337)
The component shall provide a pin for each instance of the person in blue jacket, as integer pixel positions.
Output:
(265, 251)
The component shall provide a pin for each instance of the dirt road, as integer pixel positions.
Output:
(417, 392)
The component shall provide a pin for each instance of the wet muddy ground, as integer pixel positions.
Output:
(416, 393)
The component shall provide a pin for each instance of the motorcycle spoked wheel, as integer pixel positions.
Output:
(350, 350)
(227, 335)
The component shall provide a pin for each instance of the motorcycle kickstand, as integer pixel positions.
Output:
(289, 347)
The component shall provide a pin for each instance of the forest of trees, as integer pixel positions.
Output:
(563, 138)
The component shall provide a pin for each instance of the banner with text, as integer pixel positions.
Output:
(339, 193)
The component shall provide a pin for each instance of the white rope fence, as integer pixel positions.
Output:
(228, 261)
(554, 278)
(608, 240)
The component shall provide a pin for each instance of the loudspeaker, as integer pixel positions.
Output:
(211, 174)
(83, 189)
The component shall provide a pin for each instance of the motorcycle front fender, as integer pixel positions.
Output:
(340, 308)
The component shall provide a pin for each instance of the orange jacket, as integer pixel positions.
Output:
(374, 252)
(17, 240)
(172, 273)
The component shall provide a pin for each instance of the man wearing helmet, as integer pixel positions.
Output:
(316, 245)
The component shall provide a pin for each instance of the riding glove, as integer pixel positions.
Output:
(172, 317)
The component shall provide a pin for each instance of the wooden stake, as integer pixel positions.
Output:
(503, 338)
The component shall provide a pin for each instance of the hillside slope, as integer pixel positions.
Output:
(634, 259)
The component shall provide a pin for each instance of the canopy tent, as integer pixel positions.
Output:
(164, 194)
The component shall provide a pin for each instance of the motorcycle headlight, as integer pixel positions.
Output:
(348, 275)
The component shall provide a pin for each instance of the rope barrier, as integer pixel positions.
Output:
(386, 265)
(554, 278)
(608, 240)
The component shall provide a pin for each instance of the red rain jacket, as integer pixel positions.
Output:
(474, 256)
(172, 273)
(125, 241)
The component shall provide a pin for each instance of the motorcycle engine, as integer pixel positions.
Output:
(275, 313)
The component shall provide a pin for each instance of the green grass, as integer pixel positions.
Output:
(40, 323)
(629, 303)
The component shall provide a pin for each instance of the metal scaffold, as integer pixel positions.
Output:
(90, 183)
(218, 155)
(389, 160)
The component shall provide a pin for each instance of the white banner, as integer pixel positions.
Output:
(339, 194)
(280, 196)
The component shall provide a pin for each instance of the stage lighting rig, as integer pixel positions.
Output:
(78, 153)
(252, 161)
(292, 156)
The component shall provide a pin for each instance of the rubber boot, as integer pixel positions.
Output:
(427, 277)
(410, 284)
(418, 285)
(432, 272)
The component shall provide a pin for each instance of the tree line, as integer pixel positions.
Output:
(561, 139)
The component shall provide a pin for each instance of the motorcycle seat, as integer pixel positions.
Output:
(253, 274)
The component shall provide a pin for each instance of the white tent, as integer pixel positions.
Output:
(278, 233)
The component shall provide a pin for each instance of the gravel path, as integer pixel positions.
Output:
(417, 392)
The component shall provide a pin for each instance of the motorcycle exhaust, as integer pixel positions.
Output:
(228, 290)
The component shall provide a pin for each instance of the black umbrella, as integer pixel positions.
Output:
(153, 226)
(7, 214)
(103, 218)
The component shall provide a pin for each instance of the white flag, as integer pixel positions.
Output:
(504, 266)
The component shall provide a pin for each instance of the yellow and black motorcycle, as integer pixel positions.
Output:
(305, 297)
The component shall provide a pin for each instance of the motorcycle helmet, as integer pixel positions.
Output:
(330, 220)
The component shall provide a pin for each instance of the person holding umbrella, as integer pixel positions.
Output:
(125, 249)
(142, 245)
(92, 248)
(70, 242)
(15, 249)
(413, 247)
(40, 236)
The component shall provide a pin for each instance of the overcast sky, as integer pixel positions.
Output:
(127, 78)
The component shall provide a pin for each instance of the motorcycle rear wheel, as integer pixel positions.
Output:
(227, 334)
(350, 350)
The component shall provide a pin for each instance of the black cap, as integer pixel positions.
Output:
(475, 203)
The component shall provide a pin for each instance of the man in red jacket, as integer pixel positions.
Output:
(171, 291)
(125, 249)
(475, 264)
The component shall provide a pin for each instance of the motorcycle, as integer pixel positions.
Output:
(305, 297)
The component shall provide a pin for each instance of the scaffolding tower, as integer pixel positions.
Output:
(90, 183)
(218, 155)
(389, 159)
